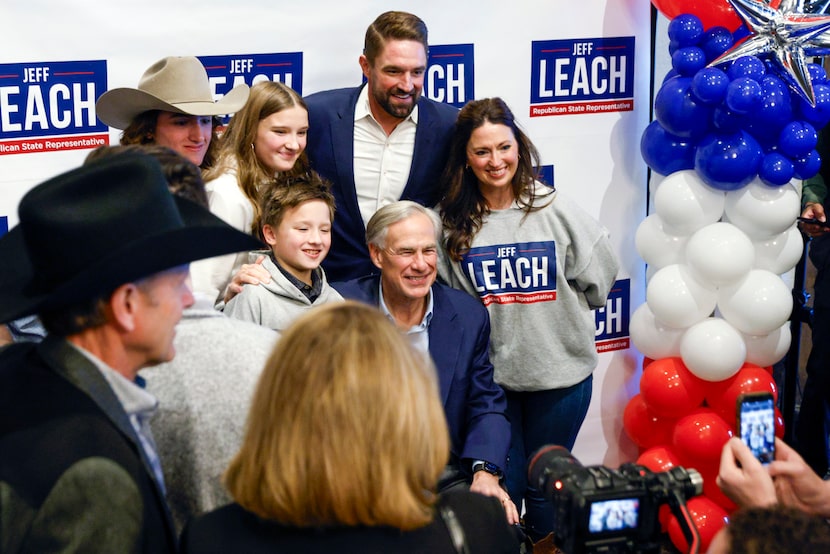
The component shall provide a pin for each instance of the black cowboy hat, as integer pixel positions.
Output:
(92, 229)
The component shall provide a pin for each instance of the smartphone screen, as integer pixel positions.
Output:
(756, 421)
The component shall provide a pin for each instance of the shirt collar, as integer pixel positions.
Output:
(416, 328)
(134, 399)
(362, 108)
(313, 291)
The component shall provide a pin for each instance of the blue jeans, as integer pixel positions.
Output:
(536, 419)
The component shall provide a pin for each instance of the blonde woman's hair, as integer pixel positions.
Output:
(346, 426)
(236, 151)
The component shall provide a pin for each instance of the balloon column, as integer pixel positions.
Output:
(726, 143)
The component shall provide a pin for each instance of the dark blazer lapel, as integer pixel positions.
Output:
(424, 138)
(444, 352)
(342, 137)
(73, 366)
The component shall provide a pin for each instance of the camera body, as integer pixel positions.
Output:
(598, 509)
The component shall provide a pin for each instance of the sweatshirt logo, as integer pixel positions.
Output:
(519, 273)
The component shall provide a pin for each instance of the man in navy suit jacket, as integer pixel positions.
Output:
(452, 326)
(379, 142)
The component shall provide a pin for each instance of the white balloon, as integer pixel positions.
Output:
(677, 299)
(685, 203)
(758, 304)
(657, 247)
(719, 254)
(780, 253)
(713, 349)
(762, 211)
(766, 350)
(651, 337)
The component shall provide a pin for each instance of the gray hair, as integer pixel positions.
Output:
(392, 213)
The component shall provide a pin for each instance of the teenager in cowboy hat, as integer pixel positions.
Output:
(100, 254)
(173, 106)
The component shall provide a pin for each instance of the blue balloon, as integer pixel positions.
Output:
(709, 85)
(678, 111)
(688, 60)
(776, 169)
(741, 32)
(674, 46)
(797, 138)
(685, 29)
(747, 66)
(743, 95)
(808, 165)
(817, 73)
(726, 121)
(664, 152)
(819, 115)
(775, 110)
(715, 42)
(670, 74)
(728, 162)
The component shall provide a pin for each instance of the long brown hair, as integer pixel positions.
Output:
(463, 207)
(236, 153)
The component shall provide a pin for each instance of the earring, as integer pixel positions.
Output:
(252, 147)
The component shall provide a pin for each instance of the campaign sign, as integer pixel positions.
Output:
(612, 320)
(50, 106)
(523, 273)
(450, 74)
(546, 174)
(226, 72)
(580, 76)
(4, 225)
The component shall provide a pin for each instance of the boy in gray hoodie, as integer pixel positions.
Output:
(296, 223)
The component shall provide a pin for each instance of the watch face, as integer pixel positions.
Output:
(493, 469)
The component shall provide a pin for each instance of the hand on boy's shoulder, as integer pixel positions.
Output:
(248, 274)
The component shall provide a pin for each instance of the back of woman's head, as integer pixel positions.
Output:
(346, 426)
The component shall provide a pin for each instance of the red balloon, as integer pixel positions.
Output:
(712, 491)
(658, 459)
(643, 426)
(699, 437)
(646, 361)
(710, 12)
(750, 378)
(779, 424)
(669, 389)
(707, 516)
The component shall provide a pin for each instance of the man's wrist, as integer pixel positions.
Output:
(492, 469)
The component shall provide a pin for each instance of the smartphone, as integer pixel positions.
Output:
(812, 221)
(756, 424)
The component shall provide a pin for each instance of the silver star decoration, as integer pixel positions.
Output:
(788, 35)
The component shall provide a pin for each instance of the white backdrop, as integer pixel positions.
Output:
(594, 156)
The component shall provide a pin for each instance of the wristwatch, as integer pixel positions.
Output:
(492, 469)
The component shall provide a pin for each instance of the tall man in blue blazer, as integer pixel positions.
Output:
(379, 142)
(79, 470)
(449, 325)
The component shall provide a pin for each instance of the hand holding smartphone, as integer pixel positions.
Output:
(756, 424)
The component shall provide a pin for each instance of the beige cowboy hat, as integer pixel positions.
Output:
(173, 84)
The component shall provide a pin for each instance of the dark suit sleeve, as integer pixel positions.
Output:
(488, 429)
(95, 506)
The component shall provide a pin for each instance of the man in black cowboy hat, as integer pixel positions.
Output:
(101, 255)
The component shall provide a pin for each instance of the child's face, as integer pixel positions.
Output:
(281, 138)
(302, 239)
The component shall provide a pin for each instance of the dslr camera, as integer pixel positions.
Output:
(612, 511)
